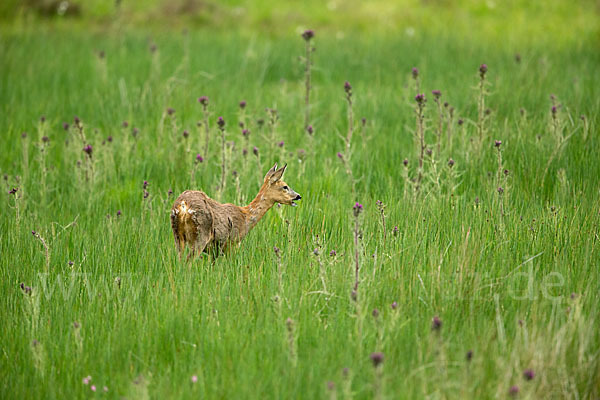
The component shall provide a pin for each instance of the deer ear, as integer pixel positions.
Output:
(271, 171)
(277, 175)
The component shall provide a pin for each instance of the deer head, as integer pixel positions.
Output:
(277, 190)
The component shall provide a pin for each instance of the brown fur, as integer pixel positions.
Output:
(209, 226)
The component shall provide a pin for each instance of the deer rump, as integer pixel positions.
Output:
(205, 224)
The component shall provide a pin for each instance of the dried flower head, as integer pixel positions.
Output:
(255, 151)
(308, 34)
(377, 359)
(45, 139)
(375, 313)
(186, 134)
(469, 355)
(500, 190)
(415, 73)
(170, 111)
(348, 88)
(451, 163)
(436, 324)
(482, 70)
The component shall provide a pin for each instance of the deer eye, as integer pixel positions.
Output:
(285, 187)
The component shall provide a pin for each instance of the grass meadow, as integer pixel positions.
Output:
(478, 272)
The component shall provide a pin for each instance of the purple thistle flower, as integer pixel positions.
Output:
(203, 100)
(357, 209)
(276, 250)
(245, 133)
(199, 158)
(332, 253)
(309, 129)
(186, 134)
(340, 155)
(194, 378)
(394, 305)
(513, 391)
(482, 70)
(498, 143)
(316, 251)
(347, 87)
(33, 233)
(45, 139)
(363, 120)
(436, 93)
(76, 120)
(415, 73)
(221, 123)
(500, 190)
(405, 162)
(24, 135)
(146, 184)
(71, 263)
(308, 34)
(451, 163)
(88, 150)
(506, 172)
(375, 313)
(377, 359)
(75, 324)
(65, 126)
(255, 151)
(554, 110)
(109, 139)
(396, 230)
(125, 124)
(420, 98)
(436, 324)
(146, 194)
(243, 104)
(170, 111)
(13, 191)
(170, 192)
(244, 152)
(280, 144)
(43, 119)
(528, 374)
(460, 122)
(134, 132)
(119, 213)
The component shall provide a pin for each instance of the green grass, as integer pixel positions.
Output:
(500, 282)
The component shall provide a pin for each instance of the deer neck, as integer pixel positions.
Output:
(257, 209)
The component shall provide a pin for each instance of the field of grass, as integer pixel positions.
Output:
(479, 280)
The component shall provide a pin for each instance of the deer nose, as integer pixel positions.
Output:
(298, 197)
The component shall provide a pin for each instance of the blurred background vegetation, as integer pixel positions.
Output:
(557, 22)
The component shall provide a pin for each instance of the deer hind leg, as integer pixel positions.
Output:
(202, 241)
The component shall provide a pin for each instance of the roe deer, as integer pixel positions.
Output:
(209, 226)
